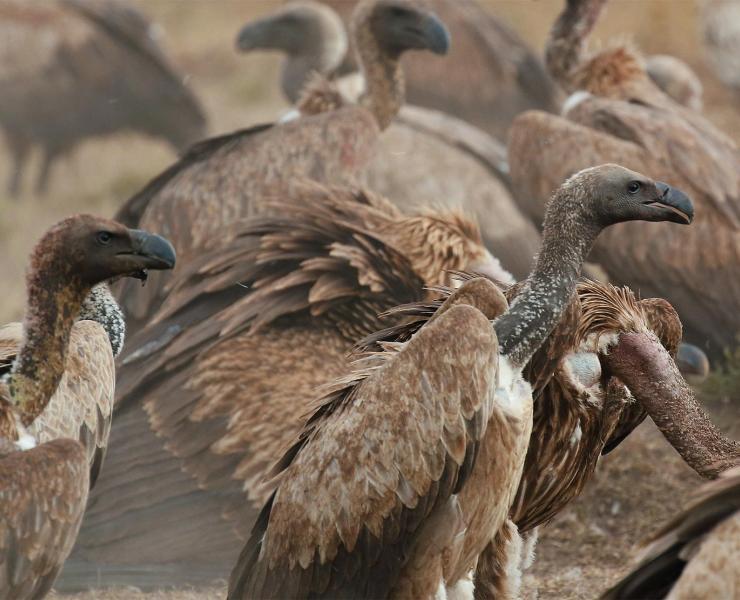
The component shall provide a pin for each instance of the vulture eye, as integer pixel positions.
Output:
(398, 13)
(633, 187)
(104, 238)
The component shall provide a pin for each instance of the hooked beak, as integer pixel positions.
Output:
(151, 252)
(692, 362)
(436, 35)
(673, 204)
(252, 36)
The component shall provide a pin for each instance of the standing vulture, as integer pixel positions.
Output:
(214, 386)
(197, 200)
(490, 76)
(696, 555)
(616, 113)
(56, 392)
(423, 153)
(409, 464)
(75, 69)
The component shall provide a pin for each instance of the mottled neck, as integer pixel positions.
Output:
(100, 306)
(53, 305)
(567, 240)
(385, 89)
(566, 45)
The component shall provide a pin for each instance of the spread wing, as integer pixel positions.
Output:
(376, 459)
(43, 492)
(82, 406)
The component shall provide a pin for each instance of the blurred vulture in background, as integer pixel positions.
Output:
(676, 79)
(424, 156)
(74, 69)
(721, 32)
(490, 76)
(198, 199)
(615, 113)
(213, 387)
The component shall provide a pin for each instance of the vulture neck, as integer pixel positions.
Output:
(381, 70)
(54, 301)
(322, 55)
(100, 306)
(567, 238)
(652, 377)
(566, 45)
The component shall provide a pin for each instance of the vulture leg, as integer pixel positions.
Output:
(19, 148)
(42, 182)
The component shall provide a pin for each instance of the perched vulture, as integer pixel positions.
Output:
(197, 200)
(696, 555)
(615, 113)
(169, 507)
(424, 154)
(75, 69)
(490, 75)
(57, 379)
(409, 464)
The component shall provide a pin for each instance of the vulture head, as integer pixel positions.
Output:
(401, 25)
(613, 194)
(676, 79)
(92, 249)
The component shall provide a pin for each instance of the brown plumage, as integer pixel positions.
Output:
(490, 75)
(623, 117)
(696, 555)
(407, 469)
(423, 155)
(313, 279)
(56, 389)
(197, 200)
(98, 64)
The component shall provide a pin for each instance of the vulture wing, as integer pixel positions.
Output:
(380, 455)
(82, 406)
(43, 492)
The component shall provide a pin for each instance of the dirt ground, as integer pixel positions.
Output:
(636, 488)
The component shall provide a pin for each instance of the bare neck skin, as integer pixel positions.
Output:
(381, 70)
(647, 369)
(54, 302)
(568, 236)
(566, 44)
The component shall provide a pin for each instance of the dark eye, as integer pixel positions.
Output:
(398, 13)
(104, 238)
(633, 187)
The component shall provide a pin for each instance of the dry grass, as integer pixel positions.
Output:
(639, 486)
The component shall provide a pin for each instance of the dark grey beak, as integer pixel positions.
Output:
(436, 35)
(155, 251)
(692, 362)
(253, 35)
(674, 204)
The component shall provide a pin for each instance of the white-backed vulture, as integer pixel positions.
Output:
(615, 113)
(696, 555)
(97, 65)
(197, 200)
(424, 154)
(408, 466)
(57, 379)
(490, 75)
(314, 275)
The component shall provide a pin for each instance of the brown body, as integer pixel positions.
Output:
(627, 119)
(208, 429)
(97, 64)
(489, 77)
(56, 396)
(197, 200)
(695, 556)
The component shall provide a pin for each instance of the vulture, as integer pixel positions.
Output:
(57, 381)
(490, 76)
(213, 387)
(197, 200)
(96, 63)
(721, 33)
(696, 555)
(409, 463)
(676, 79)
(423, 154)
(615, 113)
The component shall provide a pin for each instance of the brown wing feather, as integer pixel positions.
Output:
(354, 505)
(82, 406)
(43, 492)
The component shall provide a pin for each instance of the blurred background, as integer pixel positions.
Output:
(239, 90)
